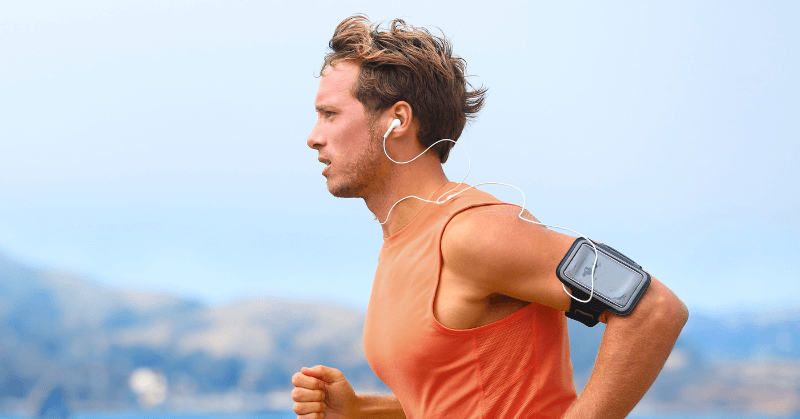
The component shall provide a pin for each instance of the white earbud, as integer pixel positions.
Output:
(395, 123)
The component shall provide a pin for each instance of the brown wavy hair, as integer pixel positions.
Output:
(402, 62)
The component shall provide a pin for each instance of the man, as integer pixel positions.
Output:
(466, 316)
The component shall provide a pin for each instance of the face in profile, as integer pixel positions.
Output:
(342, 134)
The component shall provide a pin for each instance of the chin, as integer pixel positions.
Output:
(346, 189)
(341, 191)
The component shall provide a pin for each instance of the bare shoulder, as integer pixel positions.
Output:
(492, 230)
(473, 231)
(491, 248)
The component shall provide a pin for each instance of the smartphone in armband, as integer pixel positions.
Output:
(618, 281)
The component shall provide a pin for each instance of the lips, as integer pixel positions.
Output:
(327, 165)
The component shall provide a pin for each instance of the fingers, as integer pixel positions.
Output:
(309, 390)
(306, 381)
(309, 408)
(327, 374)
(306, 395)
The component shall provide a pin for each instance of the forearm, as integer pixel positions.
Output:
(374, 406)
(632, 353)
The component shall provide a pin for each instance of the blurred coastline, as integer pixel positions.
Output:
(290, 415)
(157, 355)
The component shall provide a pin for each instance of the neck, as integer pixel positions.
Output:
(422, 178)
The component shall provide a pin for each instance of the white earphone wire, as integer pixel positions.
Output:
(439, 201)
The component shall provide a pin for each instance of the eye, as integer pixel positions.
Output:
(328, 114)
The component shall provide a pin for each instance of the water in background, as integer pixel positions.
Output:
(161, 415)
(290, 415)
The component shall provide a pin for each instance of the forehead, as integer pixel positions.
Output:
(336, 83)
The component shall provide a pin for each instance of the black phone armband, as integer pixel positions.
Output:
(618, 281)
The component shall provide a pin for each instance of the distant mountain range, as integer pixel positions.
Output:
(58, 329)
(115, 349)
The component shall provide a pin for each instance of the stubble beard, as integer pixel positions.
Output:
(358, 176)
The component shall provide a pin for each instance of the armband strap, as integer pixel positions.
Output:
(583, 313)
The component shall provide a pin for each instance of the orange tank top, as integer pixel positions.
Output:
(517, 367)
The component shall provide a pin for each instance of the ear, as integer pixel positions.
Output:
(402, 111)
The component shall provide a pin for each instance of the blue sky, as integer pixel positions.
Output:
(161, 145)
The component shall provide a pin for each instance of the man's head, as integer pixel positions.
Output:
(404, 63)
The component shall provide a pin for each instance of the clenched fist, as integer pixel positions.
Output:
(322, 392)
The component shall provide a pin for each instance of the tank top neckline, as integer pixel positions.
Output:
(407, 229)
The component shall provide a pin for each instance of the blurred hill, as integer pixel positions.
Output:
(58, 329)
(119, 349)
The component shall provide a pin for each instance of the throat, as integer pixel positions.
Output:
(399, 208)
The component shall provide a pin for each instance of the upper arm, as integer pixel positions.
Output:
(491, 249)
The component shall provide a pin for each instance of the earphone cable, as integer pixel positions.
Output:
(439, 201)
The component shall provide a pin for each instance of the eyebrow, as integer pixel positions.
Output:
(321, 108)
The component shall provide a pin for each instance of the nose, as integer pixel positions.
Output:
(314, 140)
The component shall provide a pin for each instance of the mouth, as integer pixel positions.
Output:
(327, 165)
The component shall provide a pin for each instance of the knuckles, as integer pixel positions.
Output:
(306, 408)
(300, 394)
(301, 380)
(296, 379)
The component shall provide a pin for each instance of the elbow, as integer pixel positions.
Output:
(675, 308)
(670, 312)
(680, 315)
(684, 312)
(660, 310)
